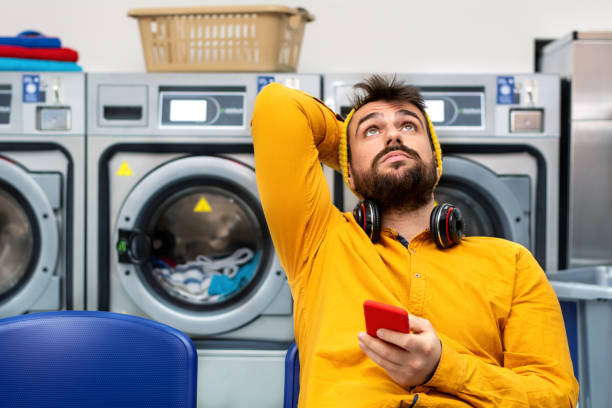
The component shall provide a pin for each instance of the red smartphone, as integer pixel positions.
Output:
(383, 316)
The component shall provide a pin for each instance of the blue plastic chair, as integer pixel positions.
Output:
(292, 377)
(94, 359)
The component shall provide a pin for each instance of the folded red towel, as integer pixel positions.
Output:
(55, 54)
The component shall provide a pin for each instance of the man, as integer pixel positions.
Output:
(486, 327)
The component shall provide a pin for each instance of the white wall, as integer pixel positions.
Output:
(347, 35)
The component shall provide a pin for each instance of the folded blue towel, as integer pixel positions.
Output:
(32, 39)
(23, 64)
(222, 285)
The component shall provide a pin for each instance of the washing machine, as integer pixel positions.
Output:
(42, 197)
(500, 138)
(176, 232)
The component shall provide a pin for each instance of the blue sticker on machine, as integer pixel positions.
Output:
(263, 80)
(505, 90)
(31, 88)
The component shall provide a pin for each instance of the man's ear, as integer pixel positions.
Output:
(350, 177)
(437, 173)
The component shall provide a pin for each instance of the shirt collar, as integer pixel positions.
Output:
(418, 239)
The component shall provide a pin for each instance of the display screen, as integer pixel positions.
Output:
(188, 110)
(435, 110)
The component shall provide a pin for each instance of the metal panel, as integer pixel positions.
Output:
(123, 83)
(591, 193)
(592, 80)
(255, 376)
(586, 59)
(51, 183)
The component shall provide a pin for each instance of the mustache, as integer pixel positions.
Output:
(409, 152)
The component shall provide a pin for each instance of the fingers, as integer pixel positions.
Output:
(420, 328)
(405, 368)
(422, 339)
(402, 340)
(419, 324)
(383, 354)
(379, 360)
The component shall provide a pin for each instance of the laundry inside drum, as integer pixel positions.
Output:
(207, 246)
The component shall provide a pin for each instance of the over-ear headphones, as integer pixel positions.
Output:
(445, 223)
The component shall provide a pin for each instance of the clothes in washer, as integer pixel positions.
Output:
(207, 280)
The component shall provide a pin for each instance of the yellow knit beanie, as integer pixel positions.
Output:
(343, 148)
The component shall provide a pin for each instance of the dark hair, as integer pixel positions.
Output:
(388, 89)
(379, 88)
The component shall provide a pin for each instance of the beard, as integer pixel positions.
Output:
(407, 190)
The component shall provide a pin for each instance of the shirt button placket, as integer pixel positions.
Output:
(417, 285)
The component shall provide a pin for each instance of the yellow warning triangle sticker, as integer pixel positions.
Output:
(202, 206)
(125, 170)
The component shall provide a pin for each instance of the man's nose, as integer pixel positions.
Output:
(394, 136)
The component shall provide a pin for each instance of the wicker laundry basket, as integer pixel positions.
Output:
(225, 38)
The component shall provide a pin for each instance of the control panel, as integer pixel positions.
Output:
(210, 105)
(202, 107)
(42, 103)
(447, 107)
(481, 105)
(455, 107)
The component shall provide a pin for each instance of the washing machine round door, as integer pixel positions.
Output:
(28, 240)
(489, 206)
(193, 249)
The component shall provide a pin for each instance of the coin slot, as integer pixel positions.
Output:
(113, 112)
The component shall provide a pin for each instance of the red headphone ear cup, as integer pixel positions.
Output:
(358, 213)
(367, 216)
(456, 225)
(375, 222)
(434, 229)
(446, 225)
(445, 215)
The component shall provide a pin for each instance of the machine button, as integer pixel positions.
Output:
(53, 118)
(526, 120)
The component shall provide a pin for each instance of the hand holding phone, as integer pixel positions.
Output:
(383, 316)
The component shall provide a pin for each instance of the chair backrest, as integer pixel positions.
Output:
(292, 377)
(94, 359)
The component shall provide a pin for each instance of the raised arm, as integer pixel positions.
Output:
(292, 133)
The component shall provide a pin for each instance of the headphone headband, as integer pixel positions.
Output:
(445, 223)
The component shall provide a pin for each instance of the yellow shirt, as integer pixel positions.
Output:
(502, 332)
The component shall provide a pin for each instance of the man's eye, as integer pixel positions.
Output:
(408, 126)
(371, 131)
